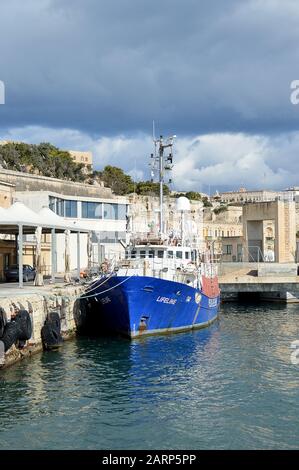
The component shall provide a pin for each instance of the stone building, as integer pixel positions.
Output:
(223, 231)
(91, 206)
(105, 217)
(243, 195)
(269, 231)
(7, 191)
(144, 218)
(85, 158)
(7, 242)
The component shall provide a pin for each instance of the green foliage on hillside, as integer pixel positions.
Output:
(116, 179)
(43, 159)
(122, 184)
(47, 160)
(193, 196)
(220, 209)
(206, 202)
(150, 188)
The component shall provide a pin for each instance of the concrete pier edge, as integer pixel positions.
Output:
(60, 299)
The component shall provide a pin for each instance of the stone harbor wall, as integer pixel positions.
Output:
(39, 305)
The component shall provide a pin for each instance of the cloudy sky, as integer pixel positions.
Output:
(93, 74)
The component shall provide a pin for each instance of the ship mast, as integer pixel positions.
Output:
(162, 163)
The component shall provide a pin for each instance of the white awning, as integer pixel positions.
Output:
(5, 217)
(54, 220)
(20, 215)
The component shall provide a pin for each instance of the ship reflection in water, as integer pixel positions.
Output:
(230, 386)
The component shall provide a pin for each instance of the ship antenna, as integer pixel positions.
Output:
(164, 164)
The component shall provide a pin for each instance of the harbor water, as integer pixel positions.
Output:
(230, 386)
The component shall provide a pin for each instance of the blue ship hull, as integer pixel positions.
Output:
(141, 305)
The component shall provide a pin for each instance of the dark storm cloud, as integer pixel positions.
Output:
(112, 66)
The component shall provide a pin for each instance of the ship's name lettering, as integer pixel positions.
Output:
(166, 300)
(213, 302)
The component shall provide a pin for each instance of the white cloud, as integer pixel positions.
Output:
(221, 161)
(231, 160)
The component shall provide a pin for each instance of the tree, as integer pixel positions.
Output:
(206, 202)
(44, 159)
(116, 179)
(193, 195)
(150, 188)
(220, 209)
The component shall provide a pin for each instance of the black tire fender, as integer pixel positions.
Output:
(10, 335)
(51, 338)
(3, 321)
(24, 324)
(54, 319)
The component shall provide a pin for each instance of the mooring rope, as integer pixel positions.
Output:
(98, 285)
(106, 290)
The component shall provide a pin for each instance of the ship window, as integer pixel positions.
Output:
(187, 255)
(179, 254)
(160, 254)
(170, 254)
(142, 253)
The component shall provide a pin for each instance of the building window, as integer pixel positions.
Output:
(110, 211)
(115, 211)
(92, 210)
(52, 203)
(160, 254)
(187, 255)
(63, 207)
(227, 249)
(179, 254)
(70, 208)
(59, 207)
(142, 253)
(170, 254)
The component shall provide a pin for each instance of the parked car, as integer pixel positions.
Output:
(11, 273)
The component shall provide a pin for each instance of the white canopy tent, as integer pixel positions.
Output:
(19, 220)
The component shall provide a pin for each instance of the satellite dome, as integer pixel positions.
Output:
(183, 204)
